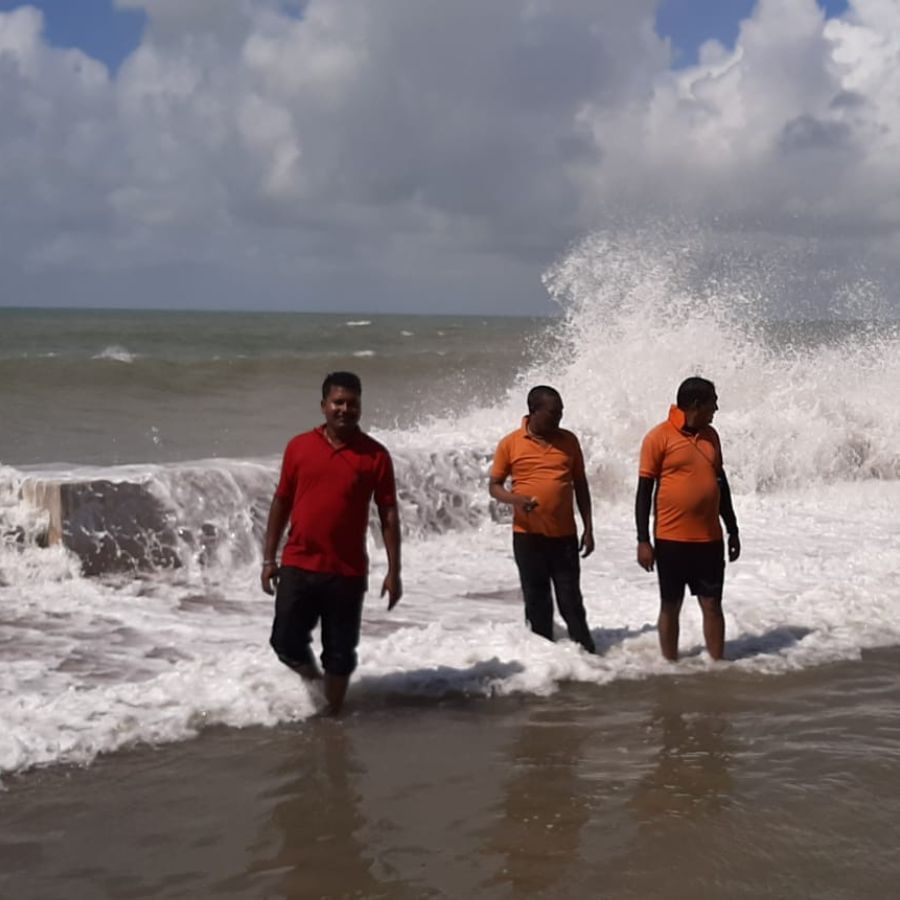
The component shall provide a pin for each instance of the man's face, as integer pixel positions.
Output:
(706, 411)
(546, 418)
(342, 409)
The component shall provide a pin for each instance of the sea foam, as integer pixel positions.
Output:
(115, 353)
(130, 605)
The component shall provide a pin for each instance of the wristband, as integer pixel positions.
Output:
(270, 562)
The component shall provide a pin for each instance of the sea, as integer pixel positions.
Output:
(152, 746)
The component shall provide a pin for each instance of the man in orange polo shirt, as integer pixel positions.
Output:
(547, 470)
(682, 458)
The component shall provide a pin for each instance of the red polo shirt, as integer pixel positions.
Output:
(330, 491)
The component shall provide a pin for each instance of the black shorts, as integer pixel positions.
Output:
(699, 565)
(303, 599)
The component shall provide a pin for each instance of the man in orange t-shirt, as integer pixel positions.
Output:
(682, 457)
(547, 470)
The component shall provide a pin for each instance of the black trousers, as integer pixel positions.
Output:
(543, 561)
(302, 600)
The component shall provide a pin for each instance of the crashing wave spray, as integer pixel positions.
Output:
(803, 402)
(174, 639)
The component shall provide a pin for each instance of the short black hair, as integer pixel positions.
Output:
(694, 391)
(341, 379)
(540, 395)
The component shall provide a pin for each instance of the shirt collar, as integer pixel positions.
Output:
(550, 441)
(524, 429)
(348, 443)
(676, 417)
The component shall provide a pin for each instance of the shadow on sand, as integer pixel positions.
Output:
(439, 682)
(607, 638)
(746, 646)
(766, 644)
(429, 683)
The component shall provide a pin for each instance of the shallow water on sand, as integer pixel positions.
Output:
(726, 784)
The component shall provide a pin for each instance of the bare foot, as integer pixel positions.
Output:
(309, 672)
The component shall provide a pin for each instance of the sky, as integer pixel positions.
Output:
(423, 156)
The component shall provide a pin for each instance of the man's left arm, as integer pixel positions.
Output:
(583, 502)
(386, 502)
(390, 531)
(726, 511)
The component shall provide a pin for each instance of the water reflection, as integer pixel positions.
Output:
(544, 806)
(691, 773)
(316, 826)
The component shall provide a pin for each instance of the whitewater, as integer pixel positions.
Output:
(130, 606)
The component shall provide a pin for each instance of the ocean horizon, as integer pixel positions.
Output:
(138, 455)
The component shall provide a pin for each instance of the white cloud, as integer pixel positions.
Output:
(413, 152)
(795, 128)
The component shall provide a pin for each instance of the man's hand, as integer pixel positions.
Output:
(526, 504)
(393, 587)
(269, 577)
(645, 555)
(734, 547)
(587, 543)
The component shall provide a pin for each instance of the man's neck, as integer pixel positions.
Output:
(545, 438)
(338, 440)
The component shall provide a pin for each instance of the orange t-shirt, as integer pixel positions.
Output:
(687, 467)
(543, 470)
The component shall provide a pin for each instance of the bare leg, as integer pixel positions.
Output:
(309, 672)
(713, 625)
(669, 611)
(335, 691)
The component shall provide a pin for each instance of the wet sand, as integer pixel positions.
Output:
(709, 786)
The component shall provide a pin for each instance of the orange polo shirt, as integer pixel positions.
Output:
(687, 467)
(545, 470)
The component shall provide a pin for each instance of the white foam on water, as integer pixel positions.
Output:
(116, 353)
(90, 665)
(364, 354)
(810, 435)
(636, 322)
(359, 323)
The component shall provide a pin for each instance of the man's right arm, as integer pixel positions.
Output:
(497, 489)
(643, 502)
(500, 471)
(279, 513)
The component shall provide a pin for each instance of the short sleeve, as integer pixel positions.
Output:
(652, 452)
(385, 492)
(502, 465)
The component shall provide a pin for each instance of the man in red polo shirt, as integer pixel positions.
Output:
(547, 470)
(328, 477)
(682, 459)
